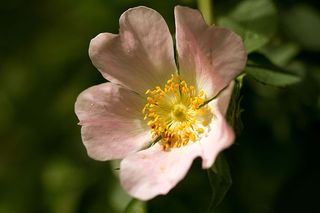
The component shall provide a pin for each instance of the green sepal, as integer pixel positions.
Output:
(234, 110)
(220, 181)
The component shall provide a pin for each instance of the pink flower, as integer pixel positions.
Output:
(155, 117)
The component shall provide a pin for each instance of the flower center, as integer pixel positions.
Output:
(177, 113)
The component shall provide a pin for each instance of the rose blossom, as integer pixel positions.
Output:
(155, 117)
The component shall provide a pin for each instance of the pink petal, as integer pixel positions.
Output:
(222, 101)
(141, 56)
(153, 172)
(112, 121)
(221, 135)
(209, 56)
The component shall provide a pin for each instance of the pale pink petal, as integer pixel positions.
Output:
(221, 135)
(209, 57)
(153, 172)
(222, 101)
(112, 121)
(141, 56)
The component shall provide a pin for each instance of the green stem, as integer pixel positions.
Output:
(206, 8)
(136, 206)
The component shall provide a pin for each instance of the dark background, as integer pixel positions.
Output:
(44, 65)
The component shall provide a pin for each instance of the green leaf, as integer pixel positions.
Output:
(272, 78)
(280, 53)
(220, 181)
(302, 24)
(136, 206)
(254, 20)
(261, 69)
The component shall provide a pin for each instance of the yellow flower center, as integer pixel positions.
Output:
(177, 113)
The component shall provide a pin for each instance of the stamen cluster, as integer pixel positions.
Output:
(177, 113)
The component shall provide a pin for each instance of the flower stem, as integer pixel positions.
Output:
(206, 8)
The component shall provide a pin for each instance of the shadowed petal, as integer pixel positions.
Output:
(221, 135)
(112, 122)
(141, 56)
(209, 57)
(153, 172)
(222, 101)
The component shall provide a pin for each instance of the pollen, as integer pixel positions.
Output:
(176, 113)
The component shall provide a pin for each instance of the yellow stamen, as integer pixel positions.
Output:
(200, 130)
(176, 113)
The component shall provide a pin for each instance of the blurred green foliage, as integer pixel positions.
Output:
(44, 66)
